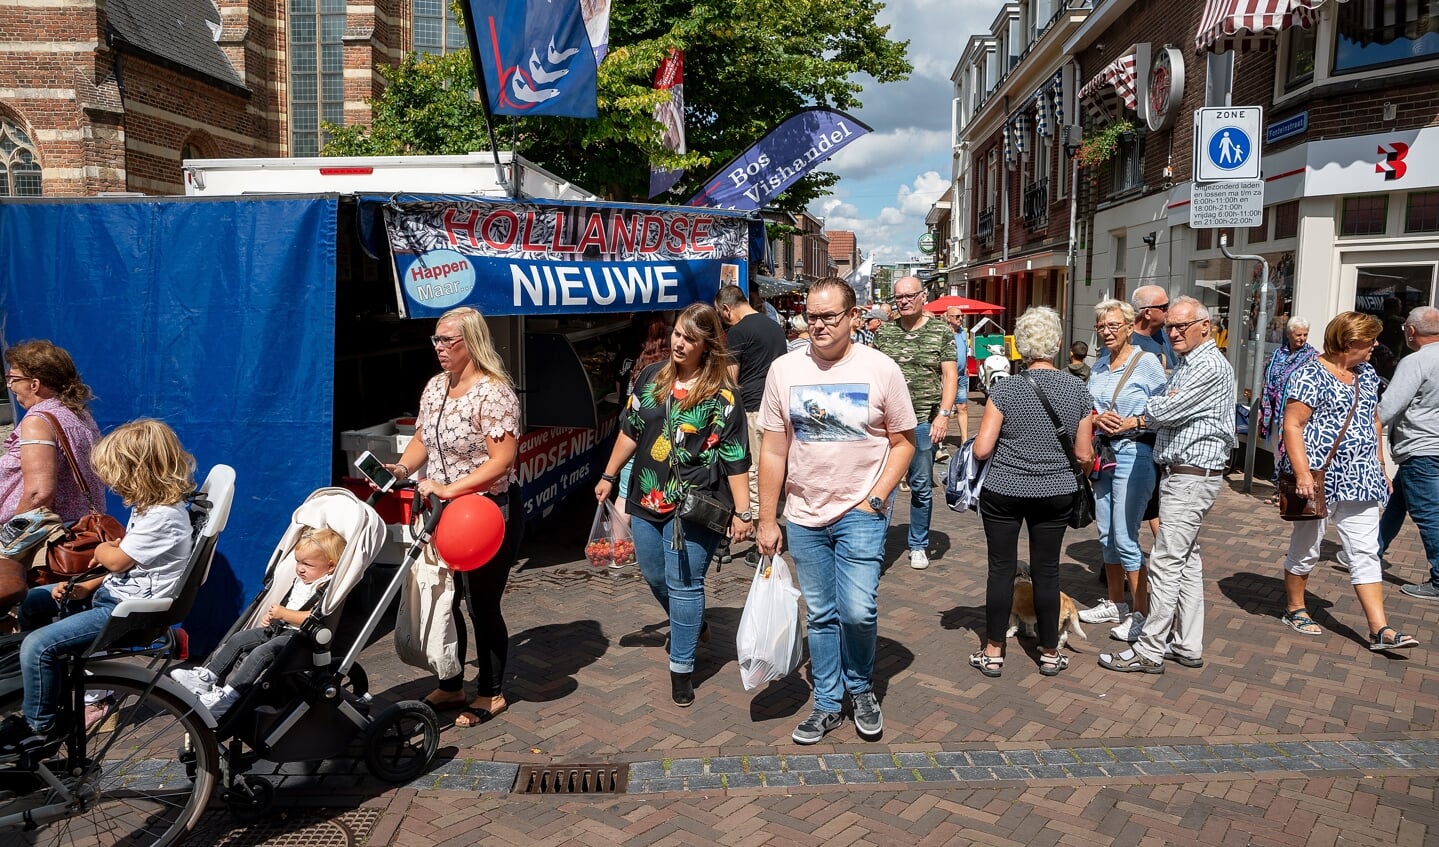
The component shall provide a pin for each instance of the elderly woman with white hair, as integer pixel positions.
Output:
(1293, 354)
(1030, 482)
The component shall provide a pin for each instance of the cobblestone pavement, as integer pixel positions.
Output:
(1278, 739)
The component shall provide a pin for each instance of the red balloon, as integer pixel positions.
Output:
(470, 532)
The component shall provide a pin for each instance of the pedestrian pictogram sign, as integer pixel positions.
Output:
(1227, 143)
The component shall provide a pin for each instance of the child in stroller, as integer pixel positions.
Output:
(316, 554)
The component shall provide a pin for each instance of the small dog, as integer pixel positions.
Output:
(1023, 620)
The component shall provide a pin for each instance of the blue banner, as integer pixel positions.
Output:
(794, 148)
(535, 57)
(539, 258)
(216, 316)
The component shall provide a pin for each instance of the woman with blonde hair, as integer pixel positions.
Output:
(34, 472)
(686, 432)
(1331, 422)
(466, 438)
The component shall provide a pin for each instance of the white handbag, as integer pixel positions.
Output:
(425, 633)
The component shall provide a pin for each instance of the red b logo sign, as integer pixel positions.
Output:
(1393, 166)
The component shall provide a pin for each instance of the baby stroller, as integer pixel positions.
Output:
(310, 705)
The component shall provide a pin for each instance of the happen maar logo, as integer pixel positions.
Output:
(1393, 166)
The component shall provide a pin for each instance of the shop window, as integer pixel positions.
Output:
(1364, 214)
(1389, 292)
(1128, 163)
(317, 72)
(1204, 239)
(1260, 234)
(1422, 214)
(19, 165)
(1286, 220)
(1380, 33)
(436, 29)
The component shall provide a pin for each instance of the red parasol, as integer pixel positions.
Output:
(970, 307)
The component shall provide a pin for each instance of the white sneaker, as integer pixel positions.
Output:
(1105, 611)
(197, 680)
(219, 700)
(918, 559)
(1129, 628)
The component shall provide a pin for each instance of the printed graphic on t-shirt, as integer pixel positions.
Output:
(835, 412)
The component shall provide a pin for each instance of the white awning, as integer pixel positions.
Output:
(1243, 25)
(1117, 75)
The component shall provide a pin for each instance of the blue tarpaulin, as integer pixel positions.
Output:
(216, 316)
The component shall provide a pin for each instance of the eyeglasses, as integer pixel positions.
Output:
(1110, 328)
(828, 319)
(1184, 327)
(905, 298)
(446, 341)
(11, 378)
(1163, 307)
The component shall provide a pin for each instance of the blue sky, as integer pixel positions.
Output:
(890, 178)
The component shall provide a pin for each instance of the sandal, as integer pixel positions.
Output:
(439, 702)
(988, 665)
(476, 715)
(1299, 621)
(1052, 665)
(1396, 640)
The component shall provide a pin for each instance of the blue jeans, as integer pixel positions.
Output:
(838, 569)
(1416, 491)
(677, 578)
(1120, 496)
(42, 650)
(921, 487)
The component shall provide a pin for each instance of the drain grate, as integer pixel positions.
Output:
(287, 827)
(572, 779)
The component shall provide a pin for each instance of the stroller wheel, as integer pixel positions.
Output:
(401, 741)
(250, 799)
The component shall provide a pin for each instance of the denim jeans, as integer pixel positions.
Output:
(1120, 496)
(921, 487)
(838, 569)
(43, 649)
(677, 578)
(1416, 491)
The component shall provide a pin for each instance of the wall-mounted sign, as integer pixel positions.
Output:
(1227, 204)
(1164, 89)
(1292, 125)
(1227, 143)
(926, 243)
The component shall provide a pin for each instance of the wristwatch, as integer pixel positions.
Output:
(877, 504)
(747, 517)
(944, 413)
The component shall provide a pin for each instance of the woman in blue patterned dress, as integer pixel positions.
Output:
(1288, 357)
(1321, 395)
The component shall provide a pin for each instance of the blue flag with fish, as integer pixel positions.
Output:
(535, 57)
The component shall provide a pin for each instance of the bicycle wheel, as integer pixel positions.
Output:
(151, 767)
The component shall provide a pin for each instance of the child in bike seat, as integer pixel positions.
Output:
(144, 462)
(316, 553)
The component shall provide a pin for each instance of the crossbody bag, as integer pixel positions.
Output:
(1293, 507)
(697, 505)
(1083, 512)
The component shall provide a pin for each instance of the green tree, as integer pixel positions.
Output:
(749, 64)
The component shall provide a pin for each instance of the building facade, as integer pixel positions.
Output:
(1350, 97)
(109, 95)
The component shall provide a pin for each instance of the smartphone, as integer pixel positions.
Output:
(374, 470)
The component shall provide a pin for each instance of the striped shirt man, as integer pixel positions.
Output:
(1194, 415)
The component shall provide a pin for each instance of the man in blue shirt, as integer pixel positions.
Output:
(1151, 307)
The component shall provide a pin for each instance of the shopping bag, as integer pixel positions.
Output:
(770, 632)
(610, 545)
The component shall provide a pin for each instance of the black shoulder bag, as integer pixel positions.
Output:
(1083, 514)
(698, 506)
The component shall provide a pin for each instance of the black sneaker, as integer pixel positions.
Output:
(814, 727)
(1171, 656)
(868, 719)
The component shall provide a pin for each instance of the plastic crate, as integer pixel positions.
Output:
(394, 507)
(387, 441)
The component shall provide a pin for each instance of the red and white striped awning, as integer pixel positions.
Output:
(1243, 25)
(1119, 75)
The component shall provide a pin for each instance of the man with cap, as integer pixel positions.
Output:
(869, 324)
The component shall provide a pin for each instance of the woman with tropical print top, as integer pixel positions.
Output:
(685, 430)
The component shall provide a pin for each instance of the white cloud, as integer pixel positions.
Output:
(891, 233)
(883, 149)
(927, 189)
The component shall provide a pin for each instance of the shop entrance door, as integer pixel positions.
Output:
(1389, 292)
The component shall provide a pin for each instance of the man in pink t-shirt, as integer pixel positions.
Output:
(837, 416)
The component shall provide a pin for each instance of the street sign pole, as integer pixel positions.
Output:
(1256, 376)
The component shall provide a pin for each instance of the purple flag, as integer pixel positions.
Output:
(535, 58)
(794, 148)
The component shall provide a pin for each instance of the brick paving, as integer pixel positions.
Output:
(1278, 739)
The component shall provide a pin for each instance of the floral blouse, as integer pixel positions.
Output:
(709, 435)
(1355, 475)
(454, 429)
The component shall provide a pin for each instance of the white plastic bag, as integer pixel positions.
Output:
(770, 631)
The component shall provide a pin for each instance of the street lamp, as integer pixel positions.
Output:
(799, 270)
